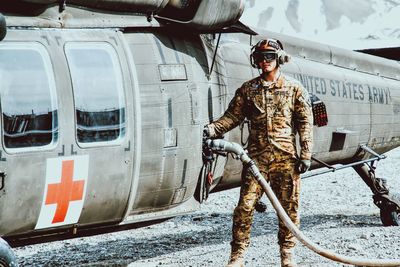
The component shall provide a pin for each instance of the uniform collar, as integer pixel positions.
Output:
(275, 84)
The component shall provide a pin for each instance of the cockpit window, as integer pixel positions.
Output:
(98, 92)
(28, 96)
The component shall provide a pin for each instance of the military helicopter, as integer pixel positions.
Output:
(103, 105)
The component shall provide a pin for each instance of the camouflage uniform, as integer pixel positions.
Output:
(276, 111)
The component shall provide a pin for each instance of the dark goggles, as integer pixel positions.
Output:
(267, 56)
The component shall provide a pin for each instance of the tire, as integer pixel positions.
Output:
(7, 257)
(390, 217)
(3, 27)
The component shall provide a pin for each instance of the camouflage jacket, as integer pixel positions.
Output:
(276, 111)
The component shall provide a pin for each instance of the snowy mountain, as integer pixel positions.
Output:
(351, 24)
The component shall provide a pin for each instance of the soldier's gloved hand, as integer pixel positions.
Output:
(206, 132)
(303, 165)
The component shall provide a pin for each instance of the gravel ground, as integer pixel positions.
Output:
(337, 213)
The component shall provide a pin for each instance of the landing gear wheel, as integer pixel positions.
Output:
(7, 257)
(390, 217)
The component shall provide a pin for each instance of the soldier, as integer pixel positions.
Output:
(277, 107)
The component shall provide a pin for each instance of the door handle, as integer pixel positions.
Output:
(2, 180)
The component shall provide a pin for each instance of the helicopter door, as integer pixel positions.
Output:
(100, 127)
(30, 130)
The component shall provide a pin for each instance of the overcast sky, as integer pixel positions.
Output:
(351, 24)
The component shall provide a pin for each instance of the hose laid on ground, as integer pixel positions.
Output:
(222, 145)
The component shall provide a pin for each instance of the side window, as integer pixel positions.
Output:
(28, 96)
(98, 92)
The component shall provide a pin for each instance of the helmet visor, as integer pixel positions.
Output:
(267, 56)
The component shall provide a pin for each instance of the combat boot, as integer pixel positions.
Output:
(287, 258)
(237, 257)
(236, 262)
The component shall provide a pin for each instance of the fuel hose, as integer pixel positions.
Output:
(231, 147)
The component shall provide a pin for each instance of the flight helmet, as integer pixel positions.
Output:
(269, 50)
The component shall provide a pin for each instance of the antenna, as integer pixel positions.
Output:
(215, 54)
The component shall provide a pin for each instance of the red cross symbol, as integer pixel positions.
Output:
(65, 191)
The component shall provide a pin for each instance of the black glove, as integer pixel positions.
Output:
(303, 165)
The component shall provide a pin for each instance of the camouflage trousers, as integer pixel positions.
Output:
(285, 182)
